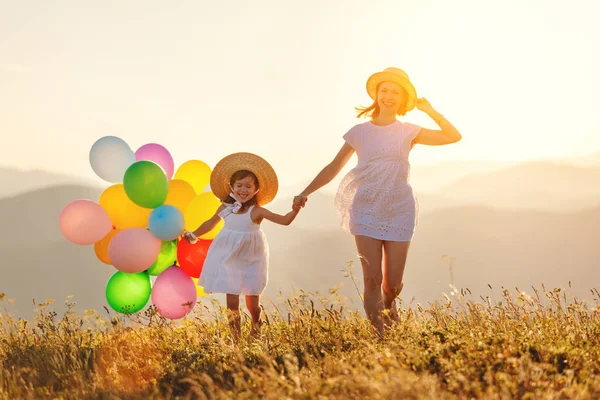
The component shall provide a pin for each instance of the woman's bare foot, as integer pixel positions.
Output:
(390, 314)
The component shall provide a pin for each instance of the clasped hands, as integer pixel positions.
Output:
(300, 200)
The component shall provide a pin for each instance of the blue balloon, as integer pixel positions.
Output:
(166, 222)
(110, 157)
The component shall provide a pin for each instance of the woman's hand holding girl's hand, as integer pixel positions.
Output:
(190, 237)
(300, 200)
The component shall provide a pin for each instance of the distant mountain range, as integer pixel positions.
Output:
(16, 181)
(539, 185)
(500, 247)
(535, 186)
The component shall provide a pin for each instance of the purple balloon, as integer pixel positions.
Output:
(157, 154)
(174, 293)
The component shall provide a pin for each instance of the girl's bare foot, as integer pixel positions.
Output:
(255, 329)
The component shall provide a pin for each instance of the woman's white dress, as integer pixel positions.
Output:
(375, 198)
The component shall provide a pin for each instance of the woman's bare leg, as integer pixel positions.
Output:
(370, 253)
(395, 254)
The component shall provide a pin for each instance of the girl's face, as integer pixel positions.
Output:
(390, 97)
(244, 188)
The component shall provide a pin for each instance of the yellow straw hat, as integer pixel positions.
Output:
(395, 75)
(224, 170)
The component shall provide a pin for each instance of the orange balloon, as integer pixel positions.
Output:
(196, 173)
(201, 209)
(123, 212)
(101, 247)
(180, 194)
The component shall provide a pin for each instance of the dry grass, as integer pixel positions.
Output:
(539, 346)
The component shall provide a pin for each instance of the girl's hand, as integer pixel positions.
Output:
(423, 104)
(190, 238)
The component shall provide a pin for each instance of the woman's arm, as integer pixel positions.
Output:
(259, 213)
(448, 133)
(327, 174)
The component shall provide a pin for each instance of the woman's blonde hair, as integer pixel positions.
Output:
(373, 110)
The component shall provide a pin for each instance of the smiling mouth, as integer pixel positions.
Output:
(388, 104)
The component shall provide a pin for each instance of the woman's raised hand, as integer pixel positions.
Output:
(423, 104)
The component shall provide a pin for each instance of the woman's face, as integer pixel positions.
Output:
(244, 188)
(390, 97)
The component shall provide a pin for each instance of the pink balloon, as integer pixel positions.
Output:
(133, 250)
(157, 154)
(174, 293)
(84, 222)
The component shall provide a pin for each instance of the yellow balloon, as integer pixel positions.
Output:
(101, 247)
(199, 289)
(201, 209)
(180, 194)
(123, 212)
(194, 172)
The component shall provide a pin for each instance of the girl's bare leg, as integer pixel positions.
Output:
(253, 305)
(233, 314)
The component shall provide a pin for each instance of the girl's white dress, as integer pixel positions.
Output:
(375, 199)
(237, 259)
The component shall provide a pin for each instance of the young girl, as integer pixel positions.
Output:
(237, 260)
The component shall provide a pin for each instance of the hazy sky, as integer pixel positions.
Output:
(520, 79)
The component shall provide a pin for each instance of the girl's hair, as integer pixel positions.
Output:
(238, 175)
(373, 110)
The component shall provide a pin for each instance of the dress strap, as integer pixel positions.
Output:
(249, 212)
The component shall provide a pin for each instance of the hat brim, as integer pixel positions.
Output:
(224, 170)
(379, 77)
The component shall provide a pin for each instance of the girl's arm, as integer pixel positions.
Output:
(327, 174)
(209, 225)
(259, 213)
(448, 133)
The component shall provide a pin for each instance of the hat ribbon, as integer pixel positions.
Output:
(235, 207)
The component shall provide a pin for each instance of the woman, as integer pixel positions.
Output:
(375, 201)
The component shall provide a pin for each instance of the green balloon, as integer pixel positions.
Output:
(166, 258)
(146, 184)
(128, 293)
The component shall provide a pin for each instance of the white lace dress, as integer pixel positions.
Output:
(375, 199)
(238, 258)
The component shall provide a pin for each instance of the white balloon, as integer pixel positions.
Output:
(110, 157)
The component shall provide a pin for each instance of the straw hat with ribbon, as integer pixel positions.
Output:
(395, 75)
(224, 170)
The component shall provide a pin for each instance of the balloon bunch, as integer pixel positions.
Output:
(137, 223)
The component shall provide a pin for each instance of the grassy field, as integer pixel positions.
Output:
(542, 345)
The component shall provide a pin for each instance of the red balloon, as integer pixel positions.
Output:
(190, 257)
